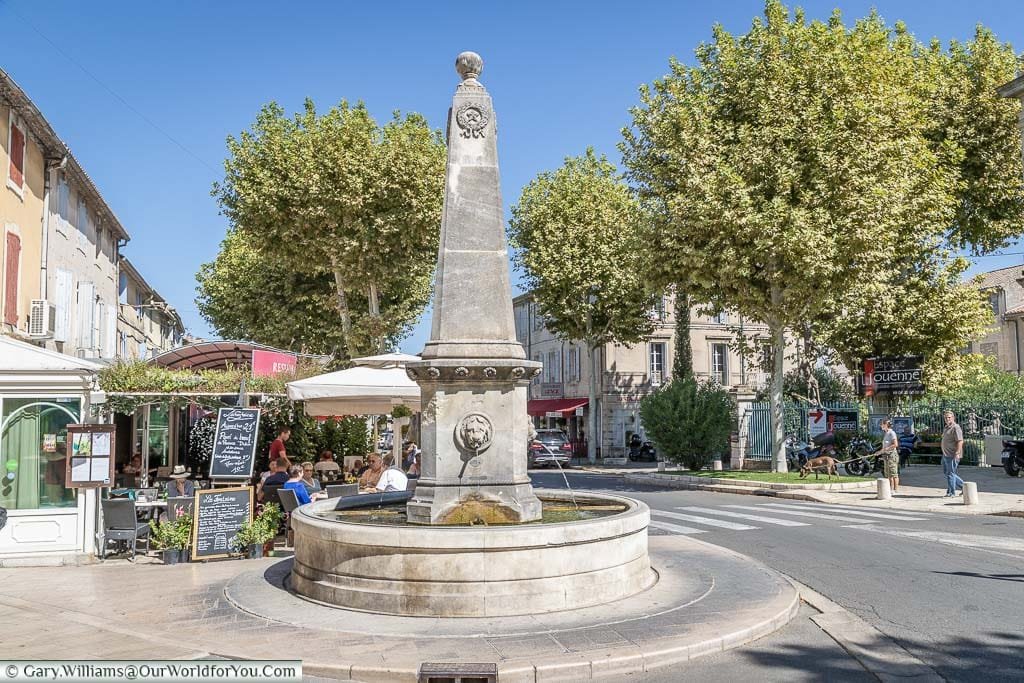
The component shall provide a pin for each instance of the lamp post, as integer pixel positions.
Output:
(592, 402)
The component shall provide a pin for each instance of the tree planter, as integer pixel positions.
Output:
(255, 551)
(172, 555)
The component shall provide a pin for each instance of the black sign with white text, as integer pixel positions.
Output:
(234, 445)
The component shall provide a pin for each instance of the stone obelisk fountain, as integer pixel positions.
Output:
(473, 375)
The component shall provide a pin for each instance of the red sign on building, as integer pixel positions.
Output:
(268, 363)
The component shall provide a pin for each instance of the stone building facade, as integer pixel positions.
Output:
(559, 396)
(146, 324)
(1005, 342)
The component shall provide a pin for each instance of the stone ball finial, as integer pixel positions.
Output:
(469, 65)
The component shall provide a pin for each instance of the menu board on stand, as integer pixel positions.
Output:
(89, 462)
(219, 515)
(234, 444)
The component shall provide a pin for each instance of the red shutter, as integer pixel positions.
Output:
(17, 156)
(11, 279)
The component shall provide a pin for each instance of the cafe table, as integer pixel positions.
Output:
(151, 508)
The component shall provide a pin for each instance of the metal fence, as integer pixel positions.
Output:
(795, 419)
(976, 420)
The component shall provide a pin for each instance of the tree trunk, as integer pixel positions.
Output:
(373, 305)
(777, 408)
(592, 405)
(343, 310)
(682, 364)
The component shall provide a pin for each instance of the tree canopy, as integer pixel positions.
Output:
(339, 194)
(575, 231)
(794, 165)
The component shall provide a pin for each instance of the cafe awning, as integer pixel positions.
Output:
(359, 390)
(566, 406)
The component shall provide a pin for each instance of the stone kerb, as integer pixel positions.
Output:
(472, 571)
(695, 482)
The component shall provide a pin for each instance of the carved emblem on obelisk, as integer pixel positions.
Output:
(472, 119)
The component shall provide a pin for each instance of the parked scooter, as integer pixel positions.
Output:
(857, 465)
(799, 452)
(1013, 457)
(641, 450)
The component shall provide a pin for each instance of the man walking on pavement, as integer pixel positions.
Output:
(952, 451)
(890, 454)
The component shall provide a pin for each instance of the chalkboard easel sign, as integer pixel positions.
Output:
(219, 515)
(234, 444)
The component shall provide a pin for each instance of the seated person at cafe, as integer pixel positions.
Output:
(369, 478)
(326, 463)
(278, 475)
(134, 466)
(180, 484)
(357, 469)
(311, 482)
(296, 484)
(392, 478)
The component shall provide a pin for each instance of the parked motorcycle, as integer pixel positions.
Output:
(1013, 457)
(857, 465)
(641, 450)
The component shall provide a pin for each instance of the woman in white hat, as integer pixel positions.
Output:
(180, 484)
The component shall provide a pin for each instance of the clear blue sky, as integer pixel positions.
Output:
(178, 78)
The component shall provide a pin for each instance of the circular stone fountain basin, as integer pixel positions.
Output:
(374, 561)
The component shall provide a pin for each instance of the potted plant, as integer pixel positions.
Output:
(251, 537)
(255, 536)
(172, 538)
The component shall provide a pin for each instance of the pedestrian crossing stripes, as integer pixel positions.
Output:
(674, 528)
(864, 510)
(696, 518)
(741, 515)
(844, 513)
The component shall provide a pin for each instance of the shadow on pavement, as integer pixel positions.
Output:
(999, 577)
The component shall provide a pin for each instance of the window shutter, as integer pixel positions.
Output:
(12, 261)
(110, 348)
(17, 155)
(86, 307)
(63, 304)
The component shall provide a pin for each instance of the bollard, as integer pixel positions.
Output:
(661, 465)
(884, 489)
(716, 464)
(970, 493)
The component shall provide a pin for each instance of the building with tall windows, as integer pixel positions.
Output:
(146, 324)
(559, 395)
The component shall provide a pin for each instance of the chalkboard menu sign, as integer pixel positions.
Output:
(234, 445)
(219, 514)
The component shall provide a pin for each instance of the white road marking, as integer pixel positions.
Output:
(795, 513)
(674, 528)
(878, 515)
(704, 520)
(990, 543)
(855, 508)
(740, 515)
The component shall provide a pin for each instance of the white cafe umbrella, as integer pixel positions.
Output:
(386, 360)
(359, 390)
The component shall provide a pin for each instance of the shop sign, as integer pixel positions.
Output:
(270, 363)
(892, 375)
(843, 421)
(551, 390)
(817, 422)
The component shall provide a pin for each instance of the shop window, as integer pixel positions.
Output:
(33, 444)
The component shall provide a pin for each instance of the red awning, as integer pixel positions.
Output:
(542, 406)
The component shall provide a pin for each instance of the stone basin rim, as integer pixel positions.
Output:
(633, 519)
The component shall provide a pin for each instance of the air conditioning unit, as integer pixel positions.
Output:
(41, 319)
